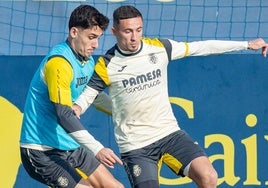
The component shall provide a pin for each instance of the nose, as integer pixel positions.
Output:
(95, 43)
(134, 36)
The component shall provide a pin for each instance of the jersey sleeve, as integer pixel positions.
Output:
(103, 103)
(100, 80)
(58, 75)
(213, 47)
(204, 48)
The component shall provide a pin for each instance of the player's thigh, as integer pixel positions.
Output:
(180, 151)
(84, 161)
(140, 170)
(49, 168)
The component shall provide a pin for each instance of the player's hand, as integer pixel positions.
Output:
(77, 110)
(107, 157)
(258, 44)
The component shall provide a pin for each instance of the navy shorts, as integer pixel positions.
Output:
(176, 150)
(58, 168)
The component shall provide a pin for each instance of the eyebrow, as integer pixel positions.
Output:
(95, 35)
(132, 28)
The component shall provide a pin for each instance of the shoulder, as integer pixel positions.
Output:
(161, 42)
(56, 64)
(106, 58)
(152, 41)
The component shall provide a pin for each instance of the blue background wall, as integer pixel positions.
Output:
(225, 90)
(32, 27)
(225, 96)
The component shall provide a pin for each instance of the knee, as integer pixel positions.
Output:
(203, 173)
(209, 179)
(206, 179)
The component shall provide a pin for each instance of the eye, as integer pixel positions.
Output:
(139, 30)
(91, 37)
(127, 31)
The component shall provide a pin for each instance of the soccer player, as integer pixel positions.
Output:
(56, 149)
(135, 70)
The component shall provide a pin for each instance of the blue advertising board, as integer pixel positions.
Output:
(221, 101)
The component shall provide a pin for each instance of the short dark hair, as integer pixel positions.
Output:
(86, 16)
(125, 12)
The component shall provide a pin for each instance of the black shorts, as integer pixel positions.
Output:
(176, 150)
(58, 168)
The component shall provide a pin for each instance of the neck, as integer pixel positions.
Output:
(78, 55)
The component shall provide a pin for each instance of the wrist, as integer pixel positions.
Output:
(249, 45)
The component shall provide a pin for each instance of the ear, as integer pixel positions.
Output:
(73, 32)
(113, 30)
